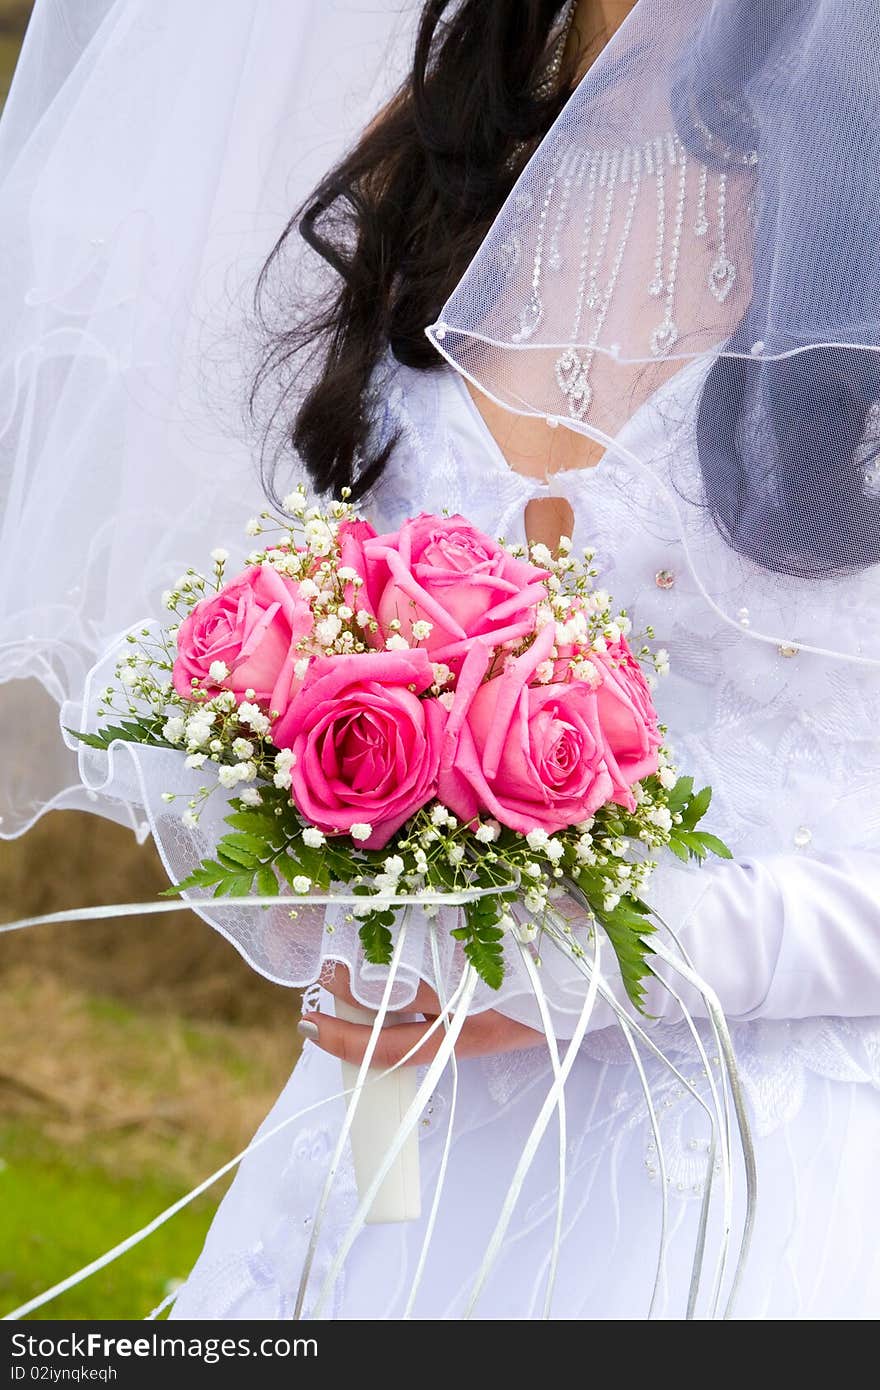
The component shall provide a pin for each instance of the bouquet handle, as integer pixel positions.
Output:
(380, 1111)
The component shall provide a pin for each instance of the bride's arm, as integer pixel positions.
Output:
(787, 936)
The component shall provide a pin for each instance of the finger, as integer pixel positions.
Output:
(339, 985)
(489, 1032)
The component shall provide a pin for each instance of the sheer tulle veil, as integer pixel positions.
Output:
(150, 154)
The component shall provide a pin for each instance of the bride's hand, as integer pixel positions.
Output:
(482, 1033)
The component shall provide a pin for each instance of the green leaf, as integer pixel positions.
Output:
(240, 886)
(206, 875)
(376, 940)
(251, 844)
(714, 845)
(267, 828)
(233, 858)
(267, 883)
(692, 842)
(696, 807)
(680, 794)
(129, 731)
(93, 740)
(482, 940)
(626, 929)
(679, 850)
(289, 868)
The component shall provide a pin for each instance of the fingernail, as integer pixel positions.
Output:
(306, 1029)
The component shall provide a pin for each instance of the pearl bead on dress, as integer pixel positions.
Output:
(664, 579)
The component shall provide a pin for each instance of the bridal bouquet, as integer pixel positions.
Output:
(422, 712)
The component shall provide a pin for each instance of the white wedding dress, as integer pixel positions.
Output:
(789, 935)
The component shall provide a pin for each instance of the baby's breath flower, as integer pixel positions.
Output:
(536, 839)
(584, 851)
(527, 930)
(328, 629)
(253, 527)
(301, 883)
(196, 759)
(313, 837)
(396, 643)
(284, 761)
(422, 629)
(447, 699)
(219, 556)
(318, 536)
(251, 797)
(361, 830)
(348, 574)
(295, 502)
(442, 673)
(198, 731)
(243, 748)
(173, 728)
(190, 819)
(488, 832)
(667, 777)
(586, 671)
(307, 588)
(455, 854)
(541, 555)
(253, 717)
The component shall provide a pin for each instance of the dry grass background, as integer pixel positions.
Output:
(135, 1056)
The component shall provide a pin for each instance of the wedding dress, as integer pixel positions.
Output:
(787, 934)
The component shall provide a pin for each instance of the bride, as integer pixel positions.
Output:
(639, 236)
(787, 933)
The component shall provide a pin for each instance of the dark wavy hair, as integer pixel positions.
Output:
(397, 221)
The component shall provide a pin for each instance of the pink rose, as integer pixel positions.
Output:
(352, 537)
(443, 571)
(628, 717)
(253, 626)
(366, 748)
(532, 756)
